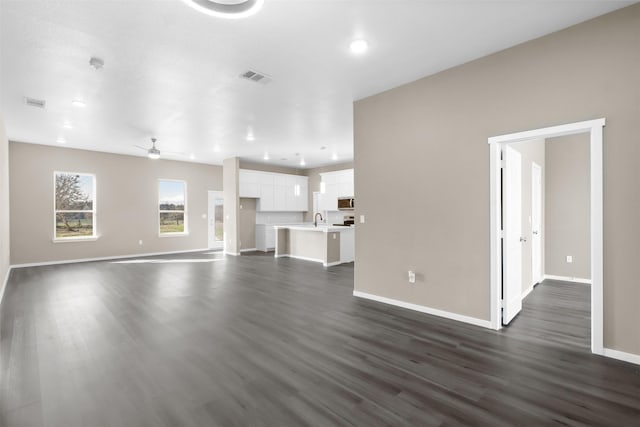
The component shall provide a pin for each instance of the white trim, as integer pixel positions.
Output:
(232, 253)
(75, 239)
(567, 279)
(595, 130)
(428, 310)
(621, 355)
(107, 258)
(302, 258)
(331, 264)
(5, 283)
(93, 211)
(549, 132)
(185, 213)
(248, 250)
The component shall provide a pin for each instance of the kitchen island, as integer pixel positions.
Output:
(330, 245)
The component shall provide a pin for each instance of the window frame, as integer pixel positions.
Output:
(184, 212)
(93, 211)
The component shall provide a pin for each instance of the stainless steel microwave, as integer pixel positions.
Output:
(346, 203)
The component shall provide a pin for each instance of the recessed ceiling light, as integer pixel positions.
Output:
(302, 162)
(229, 9)
(61, 140)
(78, 103)
(67, 125)
(192, 156)
(250, 137)
(335, 156)
(216, 148)
(358, 46)
(266, 156)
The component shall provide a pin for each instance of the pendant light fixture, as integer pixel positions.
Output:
(229, 9)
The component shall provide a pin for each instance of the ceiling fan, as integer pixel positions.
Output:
(154, 153)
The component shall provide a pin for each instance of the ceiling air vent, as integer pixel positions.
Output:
(255, 76)
(40, 103)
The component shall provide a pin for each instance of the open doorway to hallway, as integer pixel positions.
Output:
(555, 241)
(569, 220)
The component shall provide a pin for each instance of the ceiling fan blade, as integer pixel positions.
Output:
(141, 147)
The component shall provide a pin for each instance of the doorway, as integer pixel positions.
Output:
(536, 224)
(498, 147)
(215, 222)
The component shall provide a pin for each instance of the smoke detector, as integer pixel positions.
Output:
(96, 63)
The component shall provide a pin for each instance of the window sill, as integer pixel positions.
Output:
(174, 234)
(75, 239)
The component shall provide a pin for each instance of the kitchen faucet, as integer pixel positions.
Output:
(315, 219)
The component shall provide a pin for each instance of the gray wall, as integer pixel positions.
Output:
(531, 151)
(430, 137)
(4, 206)
(126, 200)
(568, 207)
(247, 223)
(314, 183)
(230, 168)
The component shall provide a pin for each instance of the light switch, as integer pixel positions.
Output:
(569, 259)
(361, 219)
(412, 276)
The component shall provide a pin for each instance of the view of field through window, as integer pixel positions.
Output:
(75, 204)
(172, 202)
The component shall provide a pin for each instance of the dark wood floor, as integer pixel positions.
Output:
(204, 340)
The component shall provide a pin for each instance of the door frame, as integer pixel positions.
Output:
(539, 277)
(595, 130)
(211, 196)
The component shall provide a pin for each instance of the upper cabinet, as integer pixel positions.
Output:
(333, 185)
(277, 192)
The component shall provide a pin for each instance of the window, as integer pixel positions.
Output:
(75, 206)
(172, 202)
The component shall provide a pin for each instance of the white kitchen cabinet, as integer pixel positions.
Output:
(276, 192)
(336, 184)
(249, 185)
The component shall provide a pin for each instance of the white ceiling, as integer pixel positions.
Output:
(173, 73)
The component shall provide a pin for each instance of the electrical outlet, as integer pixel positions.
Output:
(569, 259)
(412, 276)
(140, 242)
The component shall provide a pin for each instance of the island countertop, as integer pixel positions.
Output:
(323, 228)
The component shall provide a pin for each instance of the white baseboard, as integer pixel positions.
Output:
(232, 253)
(107, 258)
(423, 309)
(331, 264)
(248, 250)
(302, 258)
(567, 279)
(4, 284)
(621, 355)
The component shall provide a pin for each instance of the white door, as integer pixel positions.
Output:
(216, 220)
(512, 234)
(536, 223)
